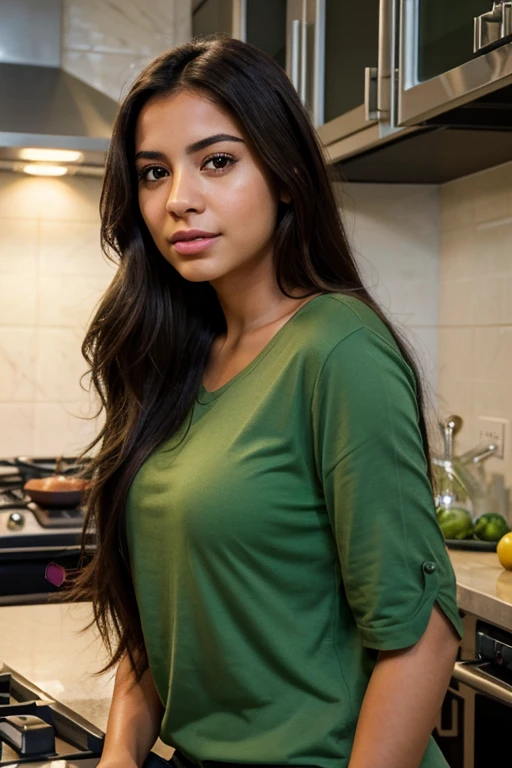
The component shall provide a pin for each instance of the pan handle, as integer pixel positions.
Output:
(35, 467)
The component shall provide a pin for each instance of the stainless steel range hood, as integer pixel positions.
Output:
(41, 105)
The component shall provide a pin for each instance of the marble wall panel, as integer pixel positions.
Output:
(52, 271)
(17, 432)
(72, 248)
(19, 247)
(112, 74)
(475, 318)
(62, 428)
(69, 300)
(18, 295)
(59, 364)
(107, 43)
(119, 26)
(18, 352)
(52, 275)
(394, 233)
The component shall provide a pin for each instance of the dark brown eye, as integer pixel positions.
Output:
(157, 171)
(220, 161)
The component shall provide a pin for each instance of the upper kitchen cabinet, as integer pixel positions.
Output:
(329, 48)
(351, 40)
(260, 22)
(398, 90)
(339, 50)
(265, 27)
(341, 58)
(452, 53)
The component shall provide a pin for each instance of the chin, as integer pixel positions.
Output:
(198, 272)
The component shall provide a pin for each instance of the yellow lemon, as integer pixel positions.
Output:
(504, 551)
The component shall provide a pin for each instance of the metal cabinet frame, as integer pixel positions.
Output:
(420, 101)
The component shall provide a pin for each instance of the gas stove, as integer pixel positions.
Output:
(25, 524)
(32, 536)
(40, 732)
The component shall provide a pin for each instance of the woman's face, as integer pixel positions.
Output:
(219, 187)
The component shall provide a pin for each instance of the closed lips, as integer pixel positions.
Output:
(192, 235)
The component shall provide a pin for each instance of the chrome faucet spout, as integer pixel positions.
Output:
(475, 455)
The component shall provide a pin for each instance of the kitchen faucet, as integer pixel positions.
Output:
(461, 480)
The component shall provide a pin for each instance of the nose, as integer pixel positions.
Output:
(184, 195)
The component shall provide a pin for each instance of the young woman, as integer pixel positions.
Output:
(270, 577)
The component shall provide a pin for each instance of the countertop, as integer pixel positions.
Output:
(484, 588)
(44, 643)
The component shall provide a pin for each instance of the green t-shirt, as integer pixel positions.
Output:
(283, 540)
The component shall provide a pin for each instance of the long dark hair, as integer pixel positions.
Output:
(148, 342)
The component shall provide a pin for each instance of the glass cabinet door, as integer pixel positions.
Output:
(265, 27)
(445, 34)
(211, 17)
(451, 53)
(260, 22)
(351, 45)
(305, 29)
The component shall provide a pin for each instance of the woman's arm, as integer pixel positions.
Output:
(403, 699)
(134, 719)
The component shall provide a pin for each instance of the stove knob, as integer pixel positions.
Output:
(16, 521)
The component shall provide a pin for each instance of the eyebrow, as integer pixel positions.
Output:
(195, 147)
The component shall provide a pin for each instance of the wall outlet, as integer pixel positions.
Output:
(494, 430)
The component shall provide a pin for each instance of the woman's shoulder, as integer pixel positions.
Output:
(334, 317)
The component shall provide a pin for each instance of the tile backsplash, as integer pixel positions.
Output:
(438, 259)
(52, 274)
(394, 233)
(475, 306)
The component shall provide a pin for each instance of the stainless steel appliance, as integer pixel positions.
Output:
(473, 729)
(40, 732)
(32, 536)
(43, 107)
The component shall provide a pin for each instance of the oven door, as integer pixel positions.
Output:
(451, 52)
(479, 732)
(23, 573)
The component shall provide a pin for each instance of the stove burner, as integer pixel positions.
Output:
(34, 727)
(40, 732)
(57, 518)
(12, 496)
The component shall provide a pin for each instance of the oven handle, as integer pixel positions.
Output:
(469, 673)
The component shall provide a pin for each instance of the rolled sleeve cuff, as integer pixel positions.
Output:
(391, 637)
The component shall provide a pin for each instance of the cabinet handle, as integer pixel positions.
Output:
(385, 96)
(370, 93)
(304, 62)
(493, 26)
(295, 53)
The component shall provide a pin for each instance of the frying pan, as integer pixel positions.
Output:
(56, 491)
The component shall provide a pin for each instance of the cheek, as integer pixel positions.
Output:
(153, 211)
(251, 208)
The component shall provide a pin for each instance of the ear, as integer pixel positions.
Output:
(285, 197)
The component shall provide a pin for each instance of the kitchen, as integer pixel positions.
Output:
(435, 248)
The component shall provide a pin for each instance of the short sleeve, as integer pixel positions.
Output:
(370, 461)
